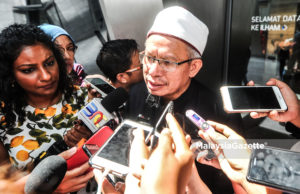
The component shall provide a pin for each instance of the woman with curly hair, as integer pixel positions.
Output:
(38, 100)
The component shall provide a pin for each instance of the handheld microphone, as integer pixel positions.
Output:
(97, 113)
(97, 140)
(94, 115)
(151, 106)
(46, 176)
(168, 109)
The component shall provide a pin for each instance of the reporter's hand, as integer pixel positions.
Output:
(169, 166)
(68, 153)
(76, 178)
(233, 162)
(292, 102)
(139, 152)
(106, 186)
(76, 133)
(92, 93)
(195, 184)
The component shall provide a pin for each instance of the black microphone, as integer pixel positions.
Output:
(46, 176)
(98, 112)
(151, 107)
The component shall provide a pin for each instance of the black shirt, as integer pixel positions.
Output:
(197, 97)
(204, 102)
(290, 127)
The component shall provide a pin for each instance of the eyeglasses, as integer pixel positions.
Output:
(165, 64)
(134, 69)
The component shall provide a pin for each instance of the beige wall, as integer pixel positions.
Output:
(6, 13)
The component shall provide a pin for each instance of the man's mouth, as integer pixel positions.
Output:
(154, 85)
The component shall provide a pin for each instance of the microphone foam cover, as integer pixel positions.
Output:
(115, 99)
(46, 176)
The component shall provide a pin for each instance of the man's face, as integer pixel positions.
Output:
(135, 76)
(168, 84)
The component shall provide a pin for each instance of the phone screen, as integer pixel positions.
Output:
(253, 98)
(118, 146)
(276, 168)
(117, 149)
(90, 149)
(102, 85)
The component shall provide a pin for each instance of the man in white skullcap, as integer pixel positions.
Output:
(174, 47)
(172, 58)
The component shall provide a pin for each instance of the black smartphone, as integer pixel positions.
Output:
(100, 85)
(275, 167)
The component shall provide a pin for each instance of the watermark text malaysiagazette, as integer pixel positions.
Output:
(233, 145)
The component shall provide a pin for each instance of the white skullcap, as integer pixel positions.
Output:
(180, 23)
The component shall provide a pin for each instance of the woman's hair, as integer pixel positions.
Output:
(13, 40)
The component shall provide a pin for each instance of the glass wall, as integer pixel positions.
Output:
(275, 42)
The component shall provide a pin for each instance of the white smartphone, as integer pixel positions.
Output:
(114, 154)
(238, 99)
(275, 167)
(102, 86)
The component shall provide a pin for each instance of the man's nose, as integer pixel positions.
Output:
(154, 68)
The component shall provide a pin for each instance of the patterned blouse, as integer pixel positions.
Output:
(41, 128)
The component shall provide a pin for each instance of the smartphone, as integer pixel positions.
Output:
(199, 145)
(275, 167)
(83, 154)
(90, 149)
(238, 99)
(102, 86)
(114, 154)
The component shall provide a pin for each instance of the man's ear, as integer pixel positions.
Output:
(195, 67)
(123, 78)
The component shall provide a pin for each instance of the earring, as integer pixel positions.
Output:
(13, 84)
